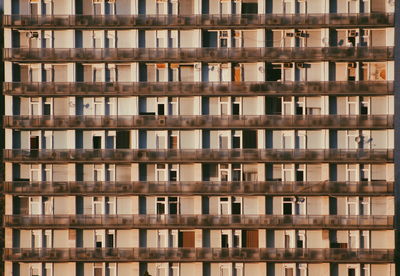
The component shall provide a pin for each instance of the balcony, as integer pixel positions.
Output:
(267, 88)
(270, 54)
(209, 21)
(276, 255)
(201, 122)
(198, 221)
(198, 155)
(380, 188)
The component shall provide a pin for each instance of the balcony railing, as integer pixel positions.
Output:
(201, 188)
(277, 255)
(198, 221)
(271, 54)
(209, 21)
(201, 122)
(198, 155)
(267, 88)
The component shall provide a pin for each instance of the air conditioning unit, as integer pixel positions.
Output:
(32, 34)
(300, 65)
(352, 33)
(139, 122)
(161, 120)
(300, 200)
(352, 65)
(288, 65)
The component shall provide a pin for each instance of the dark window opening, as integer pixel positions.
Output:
(97, 142)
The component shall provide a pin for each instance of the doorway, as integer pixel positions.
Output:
(186, 239)
(34, 142)
(96, 142)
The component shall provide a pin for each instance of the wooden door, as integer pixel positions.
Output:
(250, 239)
(186, 239)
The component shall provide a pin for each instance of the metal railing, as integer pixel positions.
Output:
(267, 88)
(271, 54)
(150, 221)
(200, 122)
(381, 187)
(337, 255)
(199, 155)
(209, 21)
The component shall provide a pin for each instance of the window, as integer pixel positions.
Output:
(98, 106)
(301, 239)
(225, 270)
(236, 172)
(167, 205)
(48, 239)
(98, 205)
(238, 270)
(224, 172)
(236, 205)
(288, 206)
(289, 271)
(223, 141)
(223, 105)
(47, 174)
(111, 269)
(352, 206)
(35, 205)
(173, 172)
(48, 205)
(34, 106)
(224, 208)
(34, 271)
(161, 172)
(223, 39)
(302, 269)
(110, 206)
(351, 271)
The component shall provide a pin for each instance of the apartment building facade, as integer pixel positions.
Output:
(199, 137)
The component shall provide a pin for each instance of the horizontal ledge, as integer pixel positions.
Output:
(198, 155)
(337, 255)
(210, 21)
(149, 221)
(200, 122)
(262, 88)
(375, 187)
(271, 54)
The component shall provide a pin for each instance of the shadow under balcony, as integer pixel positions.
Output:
(200, 122)
(270, 54)
(199, 155)
(209, 21)
(199, 221)
(276, 255)
(266, 88)
(379, 188)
